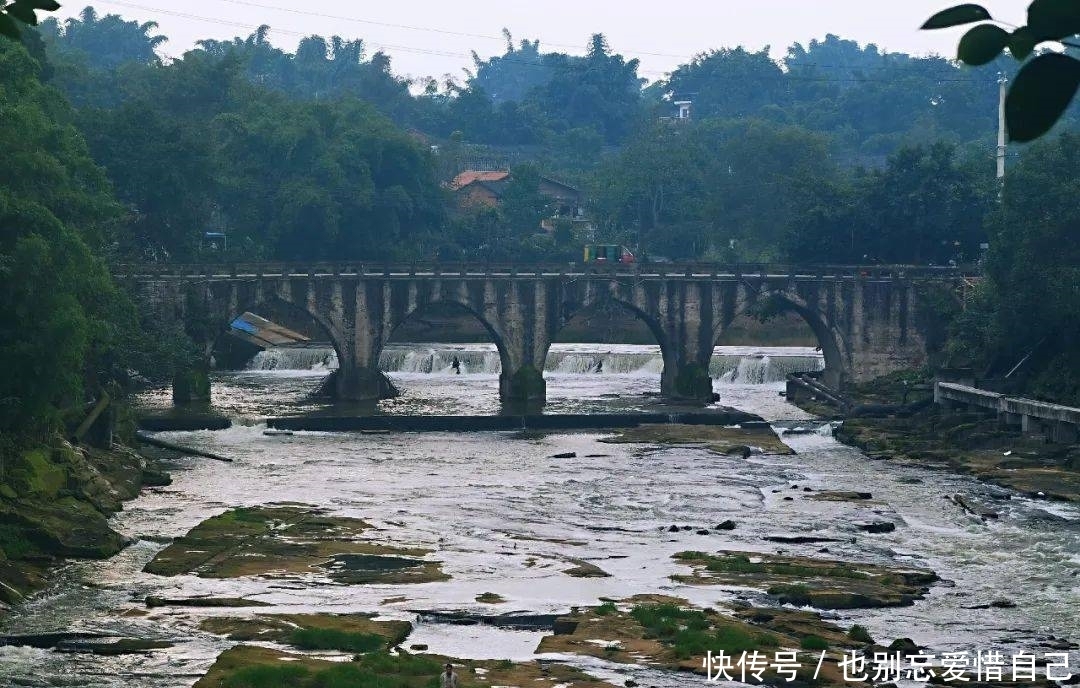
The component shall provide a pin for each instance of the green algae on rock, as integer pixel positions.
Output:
(821, 583)
(715, 438)
(245, 665)
(340, 632)
(668, 633)
(291, 539)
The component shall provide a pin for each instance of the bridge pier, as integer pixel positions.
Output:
(359, 384)
(687, 383)
(525, 387)
(191, 385)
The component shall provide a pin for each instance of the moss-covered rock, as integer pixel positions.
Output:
(821, 583)
(34, 475)
(245, 665)
(55, 504)
(294, 539)
(192, 385)
(715, 438)
(340, 632)
(669, 633)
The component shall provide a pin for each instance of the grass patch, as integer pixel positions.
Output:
(796, 594)
(606, 608)
(14, 544)
(378, 670)
(740, 563)
(860, 634)
(693, 633)
(334, 639)
(814, 642)
(284, 676)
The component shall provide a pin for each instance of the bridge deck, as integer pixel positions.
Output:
(703, 271)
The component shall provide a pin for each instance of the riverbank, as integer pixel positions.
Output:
(55, 504)
(894, 420)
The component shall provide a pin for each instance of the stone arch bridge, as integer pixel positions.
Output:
(869, 321)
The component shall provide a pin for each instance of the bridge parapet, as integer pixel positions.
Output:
(708, 271)
(1055, 422)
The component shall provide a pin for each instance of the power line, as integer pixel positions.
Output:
(787, 76)
(444, 32)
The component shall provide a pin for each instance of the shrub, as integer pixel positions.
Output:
(814, 642)
(860, 634)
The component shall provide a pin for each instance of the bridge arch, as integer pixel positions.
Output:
(829, 337)
(450, 306)
(595, 300)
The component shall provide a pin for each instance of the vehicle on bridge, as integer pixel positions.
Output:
(608, 253)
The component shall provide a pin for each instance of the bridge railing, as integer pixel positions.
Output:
(190, 271)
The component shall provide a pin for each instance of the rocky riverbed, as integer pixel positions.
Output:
(573, 559)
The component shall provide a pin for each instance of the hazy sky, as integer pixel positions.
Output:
(425, 37)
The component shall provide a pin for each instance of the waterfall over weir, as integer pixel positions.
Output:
(730, 365)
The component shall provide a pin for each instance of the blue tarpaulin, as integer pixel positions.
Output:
(244, 326)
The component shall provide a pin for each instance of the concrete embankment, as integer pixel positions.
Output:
(894, 418)
(611, 421)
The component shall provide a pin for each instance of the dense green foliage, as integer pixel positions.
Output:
(1023, 319)
(62, 322)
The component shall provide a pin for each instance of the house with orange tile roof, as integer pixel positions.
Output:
(485, 188)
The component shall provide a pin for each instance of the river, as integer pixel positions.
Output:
(474, 497)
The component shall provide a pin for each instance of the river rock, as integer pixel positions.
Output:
(565, 455)
(122, 646)
(877, 527)
(842, 496)
(799, 539)
(565, 626)
(703, 532)
(906, 647)
(673, 529)
(726, 525)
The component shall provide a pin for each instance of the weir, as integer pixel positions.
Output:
(868, 321)
(728, 365)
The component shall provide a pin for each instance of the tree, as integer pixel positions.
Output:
(105, 42)
(1034, 273)
(730, 83)
(924, 206)
(1046, 84)
(63, 323)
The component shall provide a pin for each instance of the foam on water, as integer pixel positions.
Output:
(729, 365)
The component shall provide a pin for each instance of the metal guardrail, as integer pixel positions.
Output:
(635, 270)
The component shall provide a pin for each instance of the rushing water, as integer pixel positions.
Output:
(474, 497)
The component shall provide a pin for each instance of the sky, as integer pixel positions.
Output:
(435, 37)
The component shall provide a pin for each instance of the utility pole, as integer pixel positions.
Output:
(1002, 148)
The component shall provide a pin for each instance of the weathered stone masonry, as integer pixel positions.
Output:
(867, 323)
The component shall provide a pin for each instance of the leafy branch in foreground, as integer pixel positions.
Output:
(1046, 84)
(25, 11)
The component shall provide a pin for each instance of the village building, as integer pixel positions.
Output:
(485, 188)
